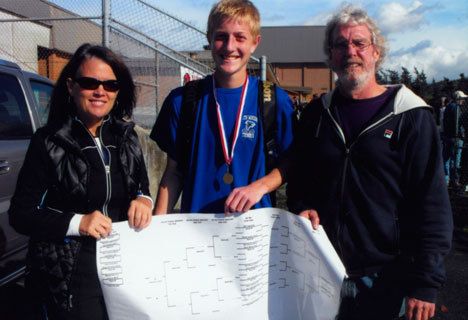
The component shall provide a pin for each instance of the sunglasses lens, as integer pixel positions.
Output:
(88, 83)
(111, 85)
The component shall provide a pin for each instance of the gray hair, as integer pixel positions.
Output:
(350, 14)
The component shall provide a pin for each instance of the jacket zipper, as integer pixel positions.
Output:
(106, 167)
(346, 161)
(107, 171)
(343, 179)
(375, 124)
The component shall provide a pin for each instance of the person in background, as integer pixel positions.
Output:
(295, 102)
(368, 167)
(463, 188)
(440, 113)
(454, 134)
(82, 171)
(226, 159)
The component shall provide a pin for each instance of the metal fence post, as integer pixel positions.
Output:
(105, 22)
(263, 60)
(156, 82)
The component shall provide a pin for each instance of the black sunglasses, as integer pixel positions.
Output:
(88, 83)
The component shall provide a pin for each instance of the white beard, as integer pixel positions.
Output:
(350, 82)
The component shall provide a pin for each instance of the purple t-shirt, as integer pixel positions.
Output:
(354, 115)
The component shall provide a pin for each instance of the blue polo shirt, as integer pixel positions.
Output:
(204, 189)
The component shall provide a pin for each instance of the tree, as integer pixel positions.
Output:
(419, 84)
(382, 77)
(405, 77)
(447, 87)
(436, 89)
(379, 78)
(393, 76)
(463, 83)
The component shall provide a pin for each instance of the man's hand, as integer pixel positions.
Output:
(95, 225)
(312, 215)
(243, 198)
(419, 310)
(139, 213)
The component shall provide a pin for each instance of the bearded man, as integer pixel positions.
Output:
(367, 162)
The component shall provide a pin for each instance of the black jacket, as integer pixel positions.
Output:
(381, 199)
(454, 122)
(64, 174)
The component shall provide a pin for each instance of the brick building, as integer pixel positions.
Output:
(296, 56)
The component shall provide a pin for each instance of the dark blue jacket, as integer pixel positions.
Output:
(453, 127)
(381, 199)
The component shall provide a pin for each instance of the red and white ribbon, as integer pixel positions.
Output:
(229, 156)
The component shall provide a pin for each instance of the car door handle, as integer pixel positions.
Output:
(4, 167)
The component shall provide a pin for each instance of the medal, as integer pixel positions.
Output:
(228, 178)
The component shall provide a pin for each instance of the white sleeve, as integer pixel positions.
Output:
(74, 226)
(149, 198)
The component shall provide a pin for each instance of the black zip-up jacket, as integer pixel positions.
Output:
(382, 199)
(63, 174)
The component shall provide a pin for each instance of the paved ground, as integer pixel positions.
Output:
(452, 303)
(453, 298)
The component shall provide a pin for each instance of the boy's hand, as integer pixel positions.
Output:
(243, 198)
(139, 213)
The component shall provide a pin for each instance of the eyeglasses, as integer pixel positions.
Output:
(358, 44)
(88, 83)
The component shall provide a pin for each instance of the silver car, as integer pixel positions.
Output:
(24, 98)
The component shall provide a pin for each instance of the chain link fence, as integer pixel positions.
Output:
(42, 35)
(161, 50)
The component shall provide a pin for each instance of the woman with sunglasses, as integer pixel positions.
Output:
(83, 171)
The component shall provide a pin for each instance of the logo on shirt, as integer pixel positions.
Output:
(388, 133)
(249, 122)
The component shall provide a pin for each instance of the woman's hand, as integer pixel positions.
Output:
(139, 213)
(95, 225)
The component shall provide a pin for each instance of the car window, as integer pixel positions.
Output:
(15, 122)
(42, 93)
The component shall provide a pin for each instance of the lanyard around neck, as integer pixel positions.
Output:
(229, 156)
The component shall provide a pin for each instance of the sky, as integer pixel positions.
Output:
(430, 35)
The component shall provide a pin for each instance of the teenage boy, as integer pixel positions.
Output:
(225, 171)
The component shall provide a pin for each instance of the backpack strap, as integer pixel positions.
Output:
(190, 97)
(267, 105)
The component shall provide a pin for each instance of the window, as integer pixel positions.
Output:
(15, 122)
(42, 92)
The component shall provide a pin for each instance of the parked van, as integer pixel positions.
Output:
(24, 98)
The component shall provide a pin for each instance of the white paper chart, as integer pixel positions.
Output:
(264, 264)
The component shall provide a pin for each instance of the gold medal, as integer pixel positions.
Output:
(228, 178)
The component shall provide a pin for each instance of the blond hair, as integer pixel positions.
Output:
(243, 10)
